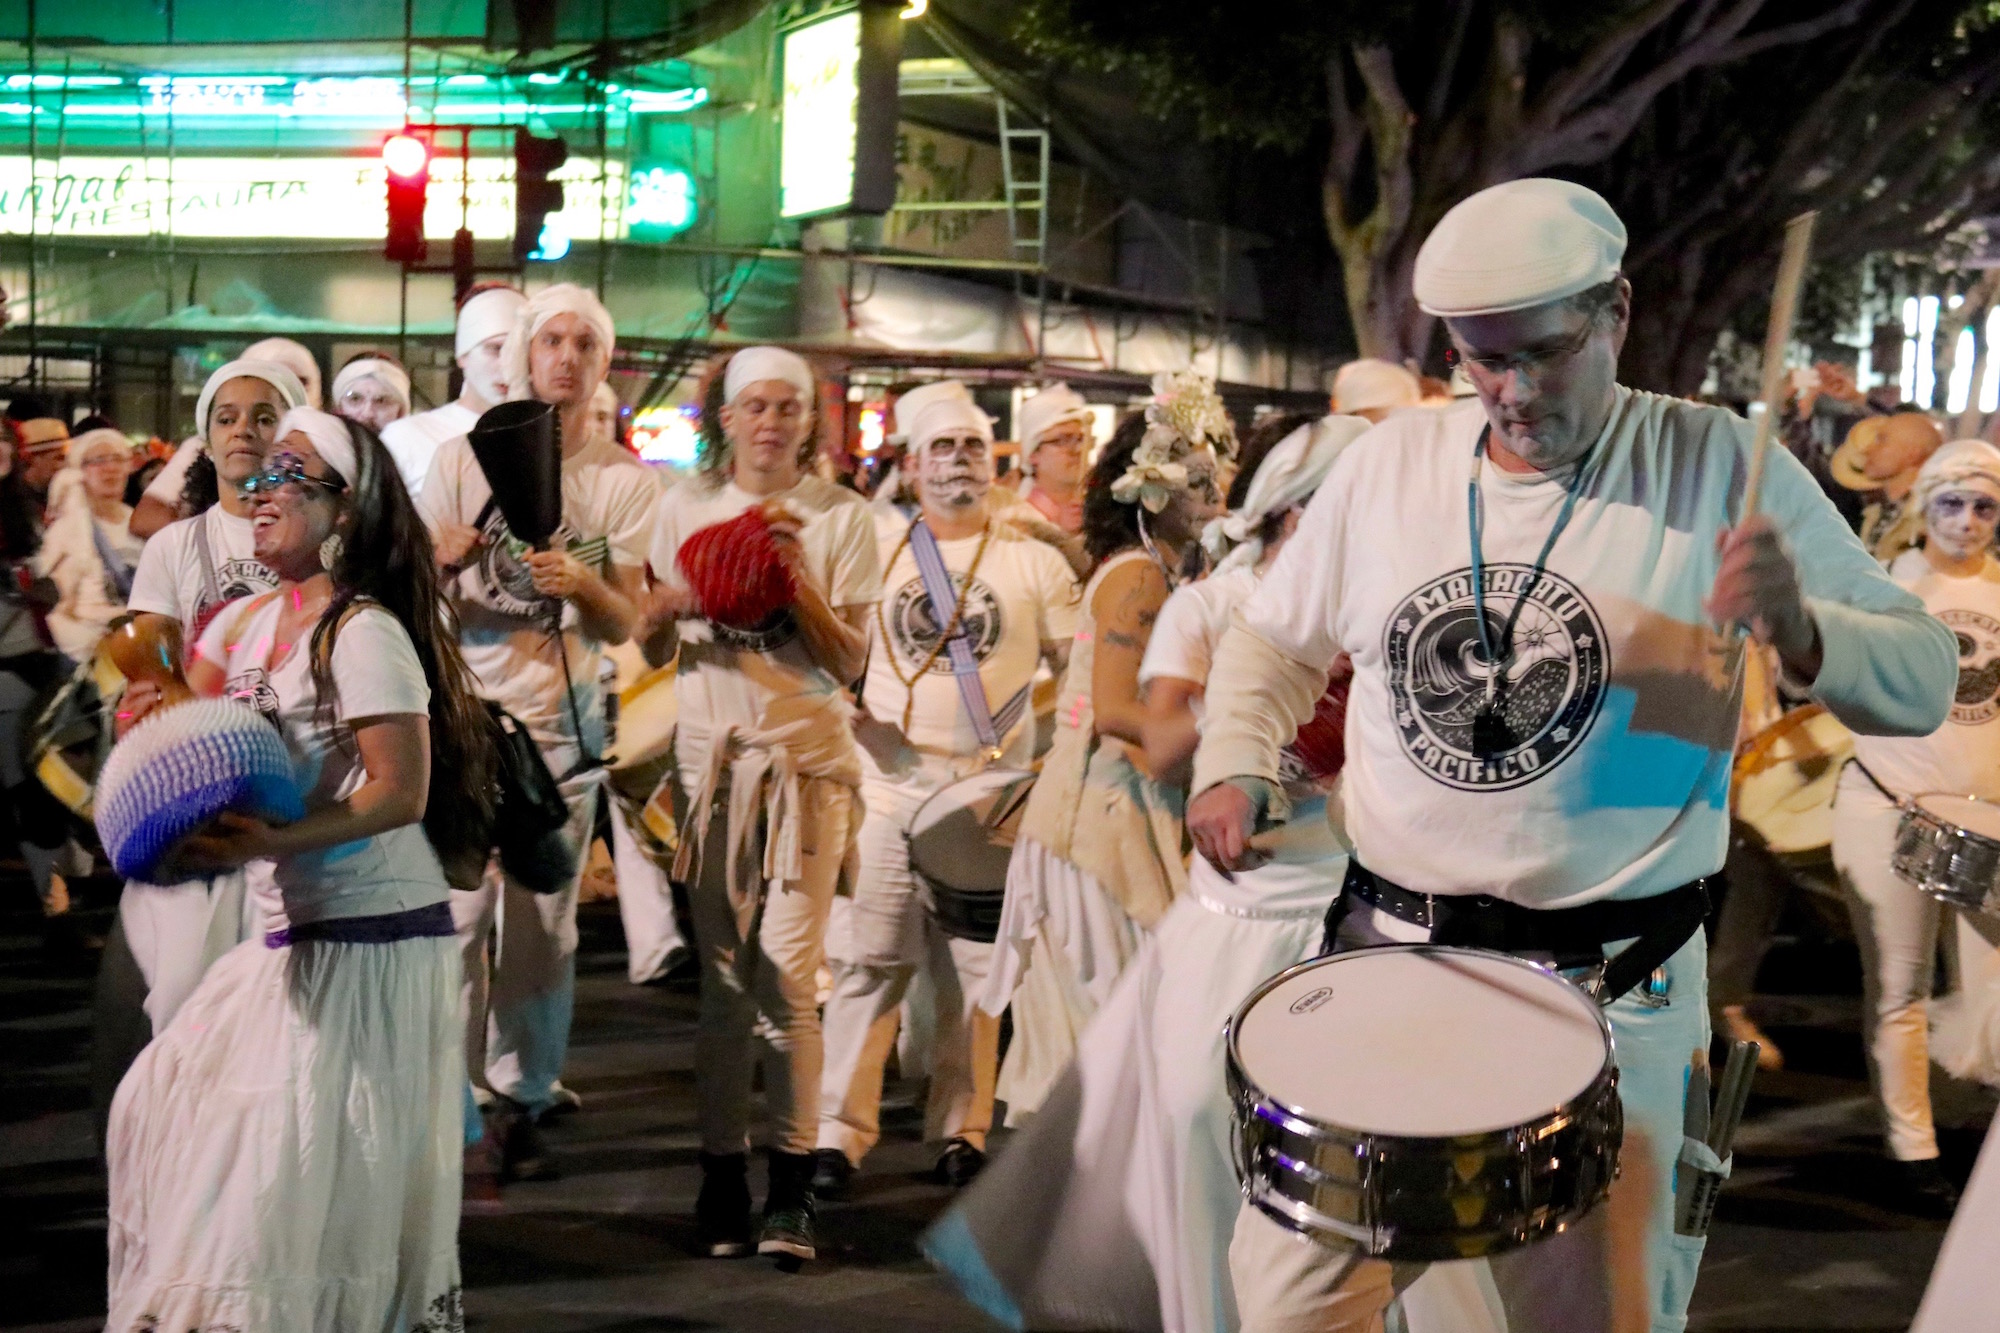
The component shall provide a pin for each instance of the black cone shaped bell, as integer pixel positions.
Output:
(518, 450)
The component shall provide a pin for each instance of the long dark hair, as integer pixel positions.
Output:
(202, 486)
(385, 558)
(1110, 526)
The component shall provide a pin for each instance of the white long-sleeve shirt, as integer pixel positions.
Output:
(1622, 699)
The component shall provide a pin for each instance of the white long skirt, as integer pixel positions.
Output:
(287, 1154)
(1062, 945)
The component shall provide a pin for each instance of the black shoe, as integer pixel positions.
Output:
(1921, 1188)
(722, 1210)
(833, 1174)
(523, 1155)
(958, 1164)
(790, 1210)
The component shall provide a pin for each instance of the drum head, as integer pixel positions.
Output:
(1422, 1042)
(1963, 812)
(963, 836)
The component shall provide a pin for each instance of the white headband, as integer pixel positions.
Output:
(565, 298)
(392, 377)
(330, 439)
(1046, 410)
(277, 376)
(939, 417)
(487, 314)
(753, 365)
(1288, 477)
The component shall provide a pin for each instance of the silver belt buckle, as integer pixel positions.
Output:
(1656, 991)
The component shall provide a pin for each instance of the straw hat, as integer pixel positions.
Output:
(1912, 430)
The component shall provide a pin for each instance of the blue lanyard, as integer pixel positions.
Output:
(1475, 520)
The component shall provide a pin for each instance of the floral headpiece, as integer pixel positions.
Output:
(1185, 418)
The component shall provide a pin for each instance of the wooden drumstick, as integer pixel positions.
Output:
(1777, 338)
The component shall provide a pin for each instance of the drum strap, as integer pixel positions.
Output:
(1876, 782)
(1572, 936)
(947, 611)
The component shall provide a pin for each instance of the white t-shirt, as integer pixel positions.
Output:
(503, 621)
(1622, 709)
(376, 674)
(1022, 596)
(172, 580)
(1962, 756)
(764, 680)
(413, 441)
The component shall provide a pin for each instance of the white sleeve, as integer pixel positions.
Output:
(1179, 646)
(666, 543)
(1061, 597)
(375, 668)
(854, 573)
(630, 498)
(156, 582)
(437, 501)
(1297, 603)
(166, 487)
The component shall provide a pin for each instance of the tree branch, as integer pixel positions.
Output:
(1587, 76)
(1447, 70)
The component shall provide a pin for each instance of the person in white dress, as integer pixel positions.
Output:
(520, 946)
(286, 1154)
(1013, 605)
(89, 551)
(1097, 860)
(772, 777)
(485, 318)
(187, 573)
(1955, 573)
(1536, 591)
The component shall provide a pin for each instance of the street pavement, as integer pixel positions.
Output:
(1805, 1236)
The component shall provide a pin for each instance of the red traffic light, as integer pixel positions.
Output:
(406, 155)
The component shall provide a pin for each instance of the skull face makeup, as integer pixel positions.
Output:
(1962, 521)
(955, 472)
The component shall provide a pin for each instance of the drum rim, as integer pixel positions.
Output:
(910, 838)
(1607, 1073)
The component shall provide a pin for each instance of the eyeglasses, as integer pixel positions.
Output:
(290, 473)
(1531, 364)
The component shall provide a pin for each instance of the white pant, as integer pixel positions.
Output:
(1897, 929)
(1569, 1283)
(175, 931)
(645, 898)
(519, 951)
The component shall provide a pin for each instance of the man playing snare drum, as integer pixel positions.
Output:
(1539, 593)
(936, 709)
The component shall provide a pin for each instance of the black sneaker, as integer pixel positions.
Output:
(1921, 1188)
(722, 1210)
(833, 1174)
(790, 1210)
(958, 1164)
(523, 1155)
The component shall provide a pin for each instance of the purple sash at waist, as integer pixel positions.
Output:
(418, 923)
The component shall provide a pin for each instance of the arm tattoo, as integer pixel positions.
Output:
(1123, 640)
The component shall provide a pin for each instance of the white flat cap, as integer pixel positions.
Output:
(1368, 383)
(1521, 244)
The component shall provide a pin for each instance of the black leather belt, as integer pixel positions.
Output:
(1570, 936)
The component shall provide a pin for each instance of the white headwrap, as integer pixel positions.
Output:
(1369, 383)
(487, 314)
(1962, 465)
(388, 373)
(565, 298)
(80, 447)
(293, 357)
(1046, 410)
(754, 365)
(1287, 477)
(271, 372)
(939, 414)
(1517, 245)
(329, 437)
(912, 404)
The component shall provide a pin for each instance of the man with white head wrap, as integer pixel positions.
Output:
(934, 711)
(771, 774)
(485, 318)
(373, 389)
(519, 946)
(1957, 492)
(1055, 437)
(1374, 388)
(1600, 552)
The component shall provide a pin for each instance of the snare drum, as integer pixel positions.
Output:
(960, 843)
(1422, 1103)
(1949, 847)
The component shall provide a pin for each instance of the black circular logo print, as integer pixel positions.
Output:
(1550, 689)
(916, 628)
(1978, 697)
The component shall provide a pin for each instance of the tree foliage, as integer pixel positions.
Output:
(1707, 122)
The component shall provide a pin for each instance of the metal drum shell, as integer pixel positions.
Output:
(1951, 864)
(962, 912)
(1416, 1198)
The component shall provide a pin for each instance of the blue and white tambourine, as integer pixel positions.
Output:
(180, 768)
